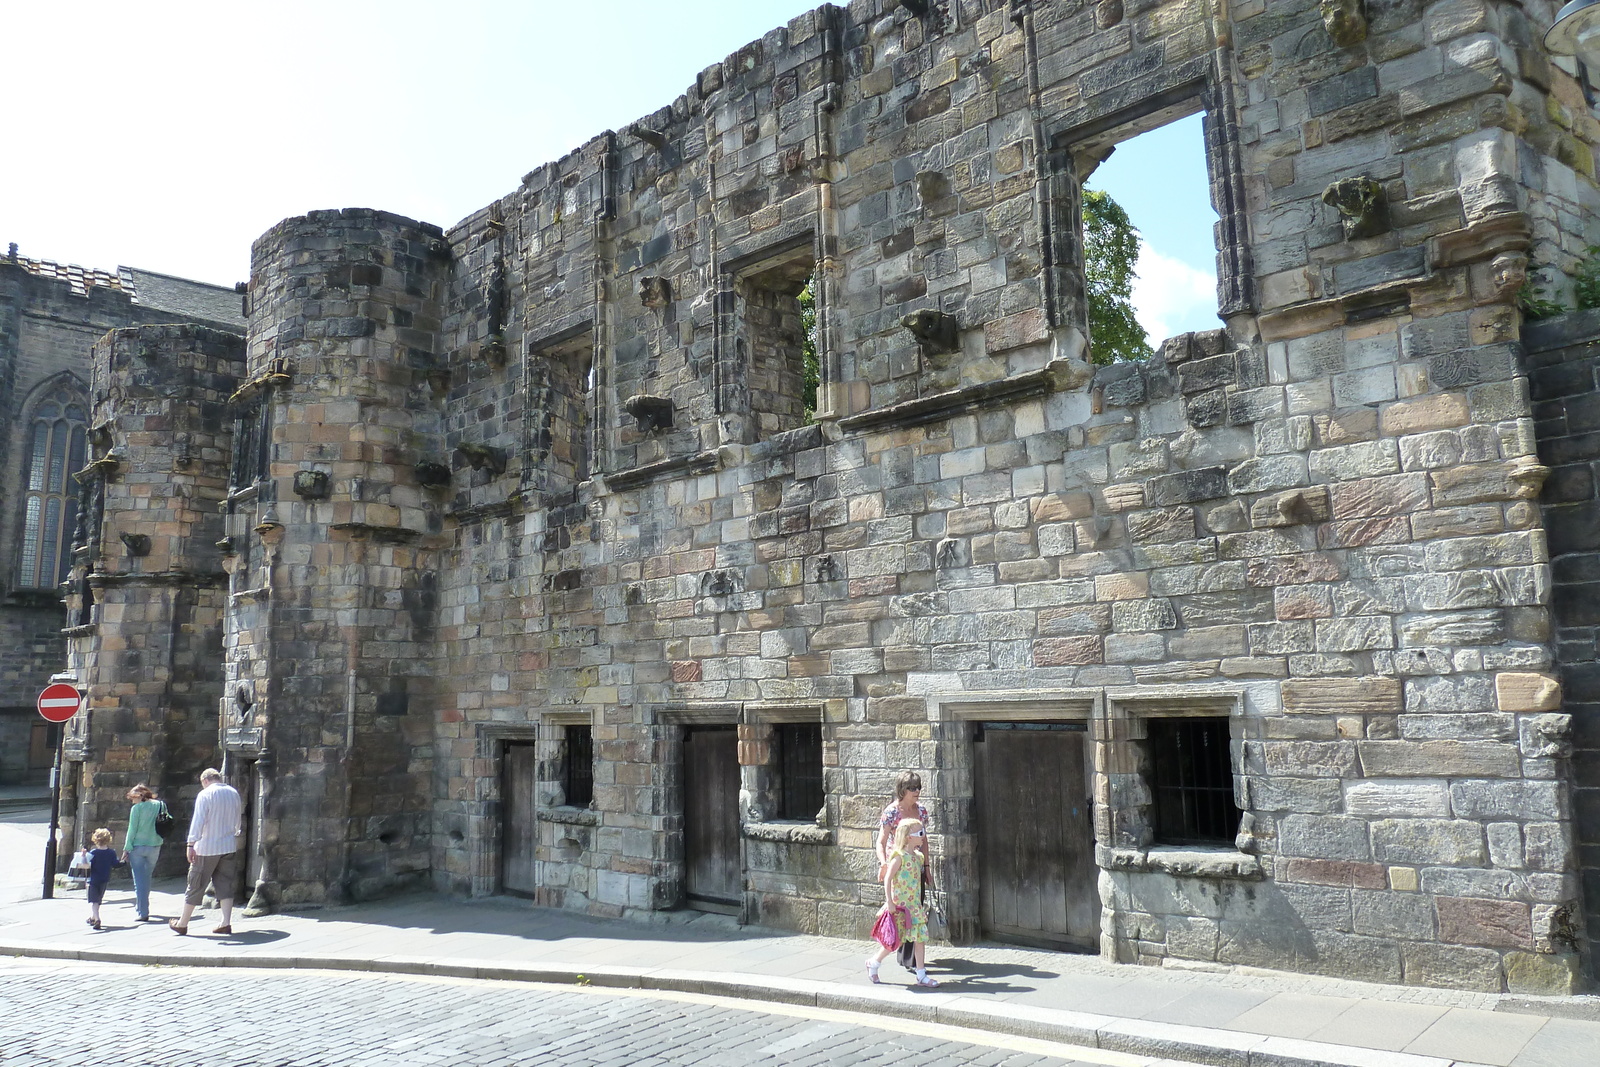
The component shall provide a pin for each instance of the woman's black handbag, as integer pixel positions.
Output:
(164, 821)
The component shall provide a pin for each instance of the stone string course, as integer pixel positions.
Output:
(1322, 520)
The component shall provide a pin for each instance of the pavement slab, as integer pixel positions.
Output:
(1215, 1015)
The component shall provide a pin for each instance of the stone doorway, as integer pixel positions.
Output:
(1035, 835)
(713, 871)
(519, 836)
(246, 778)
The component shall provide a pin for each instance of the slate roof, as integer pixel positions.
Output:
(195, 301)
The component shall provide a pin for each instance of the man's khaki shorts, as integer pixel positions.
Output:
(220, 871)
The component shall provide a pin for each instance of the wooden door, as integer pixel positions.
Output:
(518, 826)
(246, 779)
(713, 876)
(1036, 870)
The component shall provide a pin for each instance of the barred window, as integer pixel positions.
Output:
(799, 760)
(1192, 781)
(577, 778)
(56, 448)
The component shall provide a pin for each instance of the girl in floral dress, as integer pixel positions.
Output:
(902, 889)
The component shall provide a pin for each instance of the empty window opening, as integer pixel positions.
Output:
(799, 760)
(56, 449)
(1191, 779)
(1150, 242)
(577, 772)
(252, 443)
(563, 437)
(774, 339)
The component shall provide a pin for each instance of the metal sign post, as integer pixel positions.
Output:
(58, 703)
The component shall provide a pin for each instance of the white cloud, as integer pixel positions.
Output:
(1172, 297)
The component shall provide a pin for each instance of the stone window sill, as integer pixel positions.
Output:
(1188, 862)
(794, 833)
(570, 816)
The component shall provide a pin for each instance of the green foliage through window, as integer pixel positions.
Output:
(1110, 254)
(808, 328)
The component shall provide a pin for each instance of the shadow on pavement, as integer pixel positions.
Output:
(506, 918)
(969, 976)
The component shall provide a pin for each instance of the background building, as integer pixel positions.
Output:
(50, 315)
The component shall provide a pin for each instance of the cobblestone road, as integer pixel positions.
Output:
(85, 1015)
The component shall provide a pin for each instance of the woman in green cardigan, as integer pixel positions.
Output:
(142, 845)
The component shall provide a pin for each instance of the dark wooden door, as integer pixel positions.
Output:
(247, 780)
(1037, 875)
(712, 871)
(518, 826)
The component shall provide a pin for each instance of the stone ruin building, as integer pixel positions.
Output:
(509, 559)
(50, 315)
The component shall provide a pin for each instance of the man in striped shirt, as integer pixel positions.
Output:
(213, 839)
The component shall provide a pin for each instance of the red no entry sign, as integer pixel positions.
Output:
(59, 702)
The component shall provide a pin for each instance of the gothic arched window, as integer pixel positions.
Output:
(56, 448)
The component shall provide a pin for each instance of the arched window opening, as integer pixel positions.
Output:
(56, 448)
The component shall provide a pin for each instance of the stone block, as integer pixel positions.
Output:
(1514, 799)
(1335, 872)
(1539, 974)
(1324, 837)
(1404, 916)
(1161, 525)
(1477, 483)
(1068, 651)
(1342, 696)
(1300, 506)
(1366, 459)
(1454, 629)
(1188, 487)
(1399, 494)
(1428, 842)
(1436, 411)
(1451, 966)
(1137, 615)
(1015, 331)
(1422, 798)
(1447, 759)
(1526, 691)
(1491, 923)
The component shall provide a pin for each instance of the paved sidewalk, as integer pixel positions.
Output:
(1227, 1017)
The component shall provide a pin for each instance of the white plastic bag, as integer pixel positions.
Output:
(80, 860)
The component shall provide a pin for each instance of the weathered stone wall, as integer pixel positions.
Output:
(331, 537)
(1563, 357)
(148, 584)
(1323, 516)
(565, 484)
(50, 317)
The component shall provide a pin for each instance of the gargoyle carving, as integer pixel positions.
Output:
(138, 544)
(654, 292)
(311, 485)
(650, 412)
(938, 333)
(432, 474)
(1363, 210)
(719, 583)
(483, 457)
(1345, 20)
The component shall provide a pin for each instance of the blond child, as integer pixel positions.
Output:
(102, 860)
(902, 889)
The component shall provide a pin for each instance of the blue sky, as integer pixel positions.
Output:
(170, 134)
(1160, 179)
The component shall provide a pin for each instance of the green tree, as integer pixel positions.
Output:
(808, 327)
(1110, 253)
